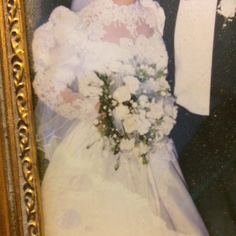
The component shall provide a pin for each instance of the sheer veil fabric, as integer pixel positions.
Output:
(82, 193)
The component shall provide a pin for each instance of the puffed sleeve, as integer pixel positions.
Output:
(158, 12)
(161, 18)
(57, 47)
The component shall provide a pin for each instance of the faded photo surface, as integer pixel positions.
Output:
(135, 107)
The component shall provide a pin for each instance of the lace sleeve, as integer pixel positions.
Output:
(158, 12)
(56, 50)
(161, 18)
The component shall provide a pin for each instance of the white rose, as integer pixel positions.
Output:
(143, 100)
(127, 144)
(156, 110)
(131, 124)
(164, 85)
(137, 123)
(122, 94)
(169, 108)
(134, 104)
(132, 83)
(167, 125)
(143, 124)
(121, 112)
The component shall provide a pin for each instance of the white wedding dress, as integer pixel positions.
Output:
(82, 193)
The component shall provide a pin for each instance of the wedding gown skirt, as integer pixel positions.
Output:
(83, 195)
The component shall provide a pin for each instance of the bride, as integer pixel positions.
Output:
(88, 188)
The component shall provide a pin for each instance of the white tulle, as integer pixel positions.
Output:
(82, 193)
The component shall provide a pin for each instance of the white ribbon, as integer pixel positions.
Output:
(194, 37)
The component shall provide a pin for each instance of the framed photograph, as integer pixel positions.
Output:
(117, 117)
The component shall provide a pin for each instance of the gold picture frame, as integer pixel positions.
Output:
(20, 187)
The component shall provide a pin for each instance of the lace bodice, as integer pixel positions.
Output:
(113, 22)
(101, 37)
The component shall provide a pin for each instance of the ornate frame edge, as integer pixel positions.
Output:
(19, 119)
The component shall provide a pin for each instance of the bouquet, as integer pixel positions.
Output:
(136, 110)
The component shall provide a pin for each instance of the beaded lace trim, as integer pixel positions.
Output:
(108, 13)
